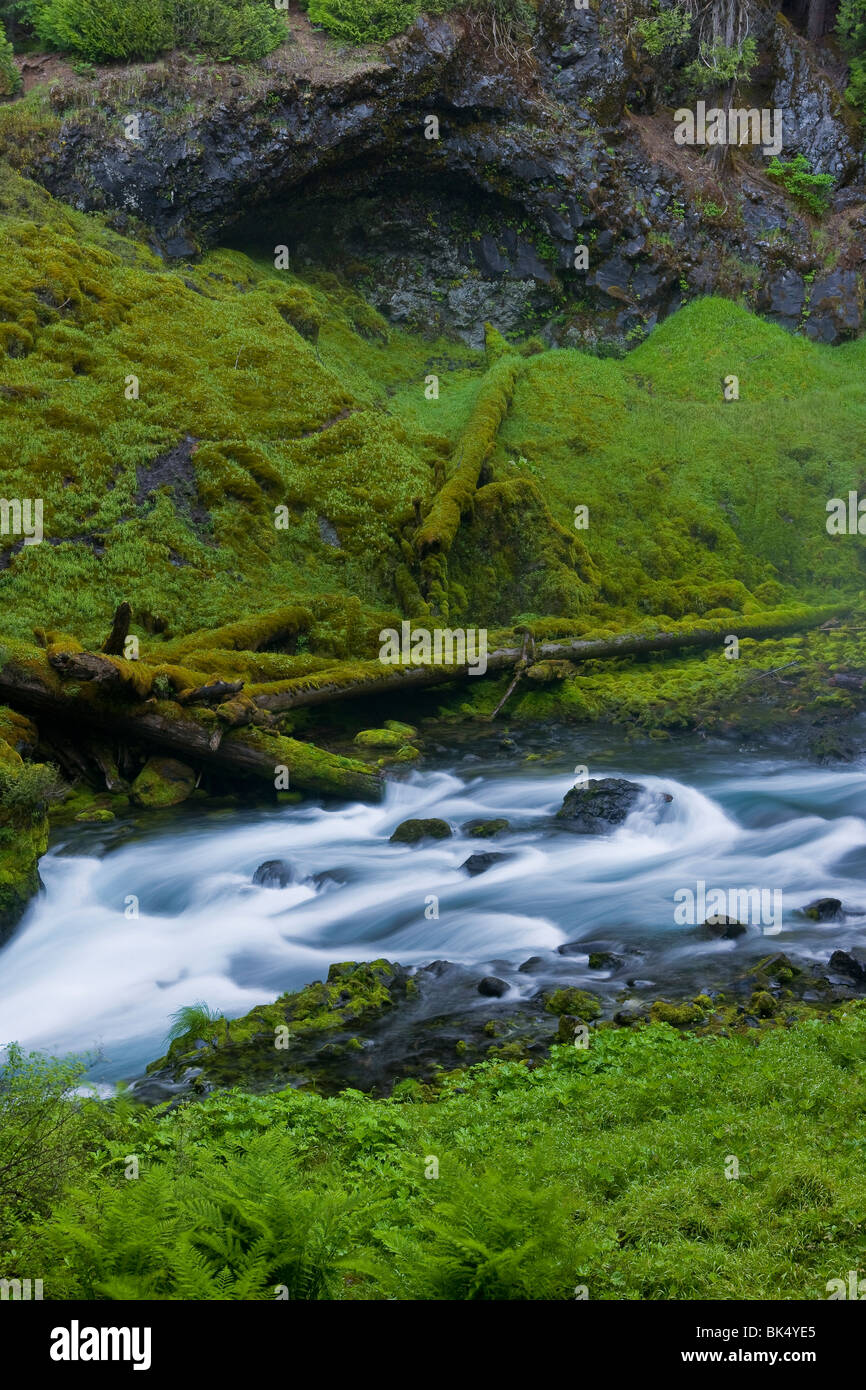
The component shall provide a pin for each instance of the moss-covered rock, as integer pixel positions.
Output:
(379, 738)
(678, 1015)
(577, 1002)
(408, 731)
(485, 829)
(411, 832)
(163, 782)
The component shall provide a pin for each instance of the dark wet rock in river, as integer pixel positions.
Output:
(722, 928)
(480, 863)
(825, 910)
(492, 987)
(411, 832)
(599, 805)
(530, 966)
(604, 960)
(273, 873)
(846, 963)
(631, 1011)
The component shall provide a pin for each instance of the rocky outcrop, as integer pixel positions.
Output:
(534, 156)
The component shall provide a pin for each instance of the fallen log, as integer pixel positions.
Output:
(214, 693)
(378, 679)
(31, 684)
(437, 533)
(87, 666)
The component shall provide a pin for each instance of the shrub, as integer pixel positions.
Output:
(238, 29)
(363, 21)
(10, 77)
(102, 30)
(26, 791)
(719, 65)
(40, 1129)
(667, 30)
(812, 190)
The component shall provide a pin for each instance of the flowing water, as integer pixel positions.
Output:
(83, 973)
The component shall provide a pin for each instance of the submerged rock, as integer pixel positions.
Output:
(273, 873)
(410, 832)
(163, 782)
(604, 960)
(485, 829)
(723, 928)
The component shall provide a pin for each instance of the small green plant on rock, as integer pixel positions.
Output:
(669, 29)
(796, 177)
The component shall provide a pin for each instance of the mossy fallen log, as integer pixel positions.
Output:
(249, 635)
(29, 683)
(360, 679)
(436, 535)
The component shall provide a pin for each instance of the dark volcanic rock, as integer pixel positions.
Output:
(480, 863)
(600, 804)
(274, 873)
(824, 910)
(723, 928)
(492, 987)
(573, 148)
(844, 963)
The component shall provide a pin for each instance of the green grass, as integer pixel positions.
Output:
(605, 1167)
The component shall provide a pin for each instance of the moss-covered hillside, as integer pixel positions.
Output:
(258, 391)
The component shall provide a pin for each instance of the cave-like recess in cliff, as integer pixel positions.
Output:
(430, 254)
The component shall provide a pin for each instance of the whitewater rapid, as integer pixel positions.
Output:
(121, 939)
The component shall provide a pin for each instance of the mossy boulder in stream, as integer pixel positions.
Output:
(163, 782)
(379, 738)
(411, 832)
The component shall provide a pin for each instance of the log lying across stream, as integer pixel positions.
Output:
(87, 694)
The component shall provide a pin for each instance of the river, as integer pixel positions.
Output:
(139, 919)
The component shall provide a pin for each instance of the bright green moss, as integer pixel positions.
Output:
(578, 1002)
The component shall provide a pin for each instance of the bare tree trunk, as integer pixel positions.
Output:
(817, 20)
